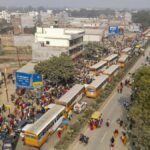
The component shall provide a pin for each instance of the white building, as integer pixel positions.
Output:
(128, 17)
(55, 41)
(134, 27)
(93, 35)
(5, 15)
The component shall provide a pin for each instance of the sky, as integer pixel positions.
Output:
(79, 3)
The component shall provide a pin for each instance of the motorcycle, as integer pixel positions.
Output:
(84, 139)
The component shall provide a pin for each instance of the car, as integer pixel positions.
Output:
(10, 142)
(80, 106)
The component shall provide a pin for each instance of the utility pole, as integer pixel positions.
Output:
(5, 81)
(18, 57)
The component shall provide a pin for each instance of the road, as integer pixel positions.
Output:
(112, 109)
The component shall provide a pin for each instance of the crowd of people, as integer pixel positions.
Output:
(28, 104)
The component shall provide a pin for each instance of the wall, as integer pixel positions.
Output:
(92, 38)
(23, 40)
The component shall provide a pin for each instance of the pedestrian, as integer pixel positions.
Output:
(101, 122)
(116, 132)
(59, 133)
(118, 89)
(121, 123)
(3, 108)
(91, 125)
(112, 141)
(108, 123)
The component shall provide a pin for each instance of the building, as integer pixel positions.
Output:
(16, 22)
(93, 35)
(23, 40)
(5, 15)
(134, 27)
(55, 41)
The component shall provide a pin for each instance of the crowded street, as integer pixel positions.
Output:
(112, 109)
(72, 82)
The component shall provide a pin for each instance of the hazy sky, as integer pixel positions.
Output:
(79, 3)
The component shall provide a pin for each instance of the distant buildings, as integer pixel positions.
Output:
(55, 41)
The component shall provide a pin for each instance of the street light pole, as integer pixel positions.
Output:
(5, 81)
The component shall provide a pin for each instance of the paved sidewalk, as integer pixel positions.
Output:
(3, 98)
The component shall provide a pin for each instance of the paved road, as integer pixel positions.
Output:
(112, 109)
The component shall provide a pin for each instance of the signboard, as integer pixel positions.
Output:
(26, 80)
(37, 79)
(23, 80)
(113, 29)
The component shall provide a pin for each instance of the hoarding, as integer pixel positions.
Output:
(113, 29)
(37, 79)
(23, 80)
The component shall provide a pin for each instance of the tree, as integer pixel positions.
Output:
(57, 69)
(140, 111)
(142, 17)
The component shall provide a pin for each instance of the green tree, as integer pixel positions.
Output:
(142, 17)
(140, 111)
(57, 69)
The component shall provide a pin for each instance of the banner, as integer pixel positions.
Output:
(113, 29)
(37, 79)
(23, 80)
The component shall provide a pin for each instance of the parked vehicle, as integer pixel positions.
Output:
(80, 106)
(10, 142)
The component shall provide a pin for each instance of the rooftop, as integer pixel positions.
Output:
(111, 69)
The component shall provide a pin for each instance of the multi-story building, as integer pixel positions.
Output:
(55, 41)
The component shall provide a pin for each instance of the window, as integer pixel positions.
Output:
(91, 90)
(47, 43)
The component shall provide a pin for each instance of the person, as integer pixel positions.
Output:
(121, 123)
(107, 122)
(118, 89)
(100, 122)
(59, 133)
(124, 138)
(3, 108)
(116, 132)
(91, 125)
(112, 140)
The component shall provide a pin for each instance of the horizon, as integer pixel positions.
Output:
(93, 4)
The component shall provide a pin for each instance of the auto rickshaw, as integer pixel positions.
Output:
(95, 120)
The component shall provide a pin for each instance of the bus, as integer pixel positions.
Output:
(95, 88)
(98, 67)
(112, 59)
(74, 95)
(37, 134)
(127, 51)
(111, 71)
(123, 60)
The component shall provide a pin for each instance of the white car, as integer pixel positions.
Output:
(80, 106)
